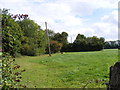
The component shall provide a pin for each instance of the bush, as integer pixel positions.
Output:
(54, 46)
(28, 50)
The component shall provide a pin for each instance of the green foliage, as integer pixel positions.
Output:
(111, 44)
(82, 43)
(55, 47)
(11, 74)
(28, 47)
(29, 27)
(57, 37)
(64, 38)
(11, 34)
(33, 40)
(80, 37)
(95, 43)
(61, 38)
(41, 42)
(11, 43)
(51, 34)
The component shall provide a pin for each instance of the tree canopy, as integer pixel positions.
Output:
(26, 37)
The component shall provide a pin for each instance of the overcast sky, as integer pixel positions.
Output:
(88, 17)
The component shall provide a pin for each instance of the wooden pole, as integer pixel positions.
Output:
(71, 39)
(48, 39)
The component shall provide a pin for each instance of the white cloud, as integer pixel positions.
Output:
(107, 27)
(112, 18)
(61, 15)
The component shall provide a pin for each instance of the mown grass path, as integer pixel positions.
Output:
(68, 70)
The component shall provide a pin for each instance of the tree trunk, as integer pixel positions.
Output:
(114, 83)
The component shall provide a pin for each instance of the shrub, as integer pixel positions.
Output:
(54, 46)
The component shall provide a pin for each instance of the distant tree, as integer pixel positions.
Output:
(68, 48)
(57, 37)
(94, 43)
(80, 37)
(111, 44)
(51, 34)
(82, 43)
(29, 27)
(107, 45)
(102, 42)
(54, 46)
(64, 41)
(34, 39)
(64, 38)
(61, 38)
(41, 42)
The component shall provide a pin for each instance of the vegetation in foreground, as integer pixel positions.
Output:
(68, 70)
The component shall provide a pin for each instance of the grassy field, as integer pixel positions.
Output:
(68, 70)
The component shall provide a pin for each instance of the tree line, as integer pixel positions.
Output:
(28, 38)
(112, 44)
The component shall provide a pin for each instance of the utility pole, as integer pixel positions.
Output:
(48, 39)
(71, 39)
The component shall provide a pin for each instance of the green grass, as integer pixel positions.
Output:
(68, 70)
